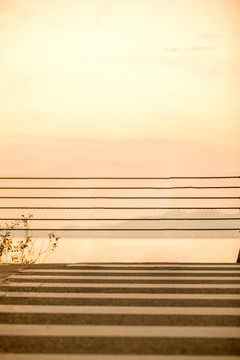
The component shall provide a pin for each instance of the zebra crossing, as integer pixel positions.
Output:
(121, 311)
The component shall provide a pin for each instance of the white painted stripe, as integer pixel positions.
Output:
(132, 286)
(14, 356)
(130, 271)
(229, 332)
(136, 310)
(67, 277)
(121, 296)
(180, 265)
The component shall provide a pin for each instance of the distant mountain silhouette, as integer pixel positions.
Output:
(179, 224)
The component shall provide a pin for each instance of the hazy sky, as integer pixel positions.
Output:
(105, 69)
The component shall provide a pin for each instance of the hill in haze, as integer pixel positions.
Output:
(153, 223)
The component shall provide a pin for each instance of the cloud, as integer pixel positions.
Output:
(129, 157)
(193, 48)
(105, 25)
(15, 87)
(209, 35)
(4, 6)
(17, 8)
(62, 22)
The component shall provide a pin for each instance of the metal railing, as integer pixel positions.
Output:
(219, 193)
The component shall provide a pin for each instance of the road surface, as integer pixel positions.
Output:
(120, 311)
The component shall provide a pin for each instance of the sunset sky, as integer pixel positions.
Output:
(120, 88)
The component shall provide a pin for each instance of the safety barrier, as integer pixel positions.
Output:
(127, 195)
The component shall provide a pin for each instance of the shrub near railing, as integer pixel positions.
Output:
(24, 251)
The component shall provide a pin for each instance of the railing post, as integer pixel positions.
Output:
(238, 258)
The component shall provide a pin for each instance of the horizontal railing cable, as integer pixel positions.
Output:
(120, 178)
(188, 186)
(149, 229)
(118, 188)
(117, 208)
(117, 219)
(120, 197)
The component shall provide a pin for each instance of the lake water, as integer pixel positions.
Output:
(144, 250)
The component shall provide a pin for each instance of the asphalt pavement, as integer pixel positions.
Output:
(120, 311)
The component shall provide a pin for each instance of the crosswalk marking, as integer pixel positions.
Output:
(119, 295)
(227, 332)
(121, 312)
(112, 357)
(142, 286)
(162, 265)
(136, 310)
(131, 271)
(171, 277)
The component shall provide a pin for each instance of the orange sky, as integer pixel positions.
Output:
(105, 69)
(78, 78)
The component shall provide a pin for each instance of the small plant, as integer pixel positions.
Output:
(25, 250)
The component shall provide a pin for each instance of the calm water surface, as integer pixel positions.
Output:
(144, 250)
